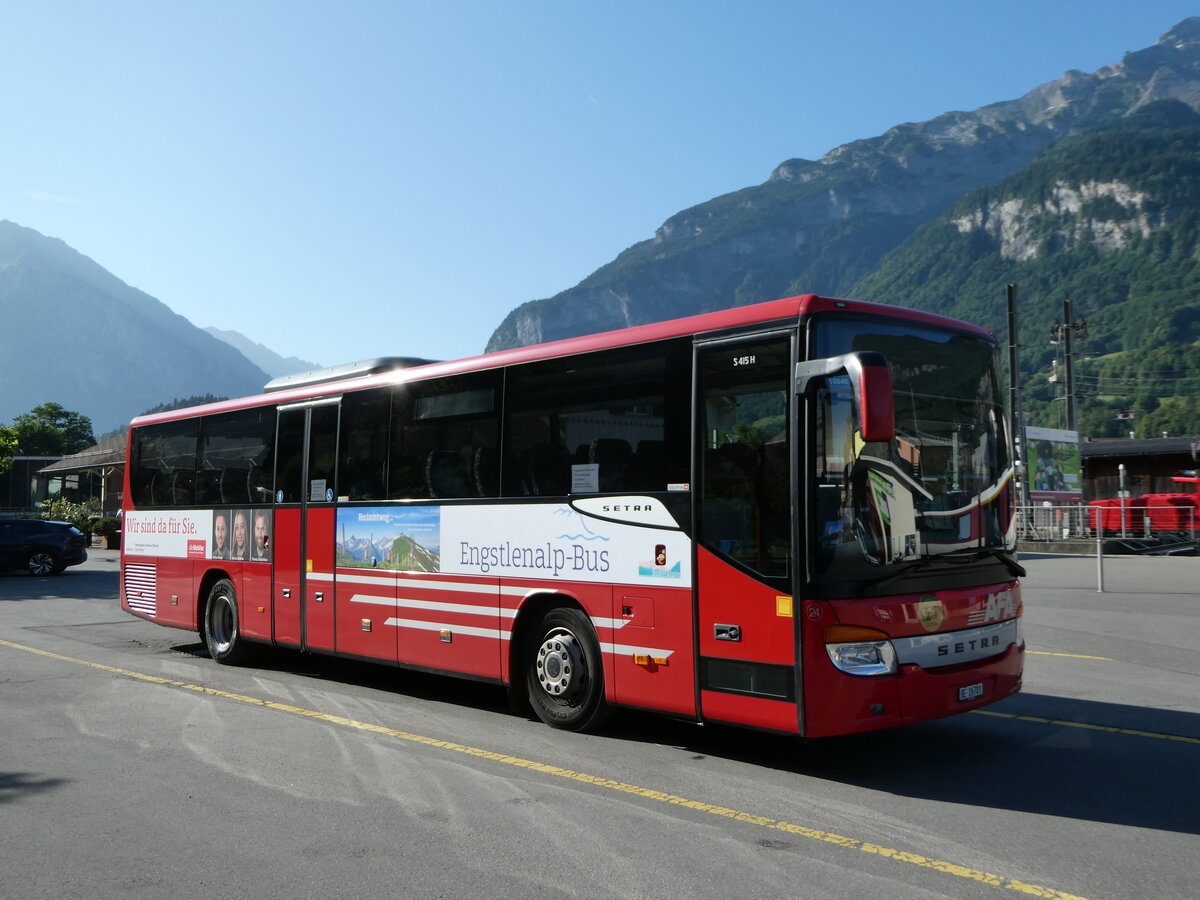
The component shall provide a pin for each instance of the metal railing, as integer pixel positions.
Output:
(1079, 521)
(1058, 522)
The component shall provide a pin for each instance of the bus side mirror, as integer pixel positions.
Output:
(871, 381)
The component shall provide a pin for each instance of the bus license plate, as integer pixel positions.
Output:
(970, 692)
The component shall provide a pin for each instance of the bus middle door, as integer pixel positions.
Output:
(305, 525)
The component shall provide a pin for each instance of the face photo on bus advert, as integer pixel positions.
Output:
(220, 536)
(262, 536)
(241, 536)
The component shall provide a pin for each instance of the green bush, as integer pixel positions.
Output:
(78, 514)
(106, 526)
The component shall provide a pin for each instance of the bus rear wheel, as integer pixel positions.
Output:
(564, 674)
(221, 632)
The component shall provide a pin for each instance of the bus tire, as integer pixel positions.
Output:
(222, 635)
(564, 673)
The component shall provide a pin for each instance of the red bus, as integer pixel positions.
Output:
(794, 516)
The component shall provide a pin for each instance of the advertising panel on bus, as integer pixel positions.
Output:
(523, 541)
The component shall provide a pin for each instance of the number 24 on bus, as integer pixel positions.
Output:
(794, 516)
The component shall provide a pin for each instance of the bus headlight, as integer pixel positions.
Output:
(860, 651)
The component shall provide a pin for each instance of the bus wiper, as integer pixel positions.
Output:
(893, 576)
(957, 557)
(1017, 570)
(977, 553)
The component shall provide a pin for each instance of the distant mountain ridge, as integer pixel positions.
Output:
(76, 334)
(821, 225)
(1109, 219)
(1087, 186)
(263, 357)
(831, 226)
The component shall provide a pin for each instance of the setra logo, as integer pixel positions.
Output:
(930, 613)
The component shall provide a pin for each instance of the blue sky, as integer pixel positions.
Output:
(347, 180)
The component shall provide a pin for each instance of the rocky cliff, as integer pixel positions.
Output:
(823, 225)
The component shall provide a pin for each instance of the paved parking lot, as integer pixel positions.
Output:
(133, 766)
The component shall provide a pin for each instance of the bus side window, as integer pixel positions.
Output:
(485, 471)
(322, 450)
(593, 410)
(164, 463)
(439, 429)
(230, 443)
(208, 487)
(548, 470)
(363, 445)
(447, 474)
(745, 508)
(406, 478)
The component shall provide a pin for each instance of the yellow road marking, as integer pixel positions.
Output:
(827, 837)
(1069, 655)
(1110, 729)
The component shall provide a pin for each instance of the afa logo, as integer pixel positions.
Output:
(998, 608)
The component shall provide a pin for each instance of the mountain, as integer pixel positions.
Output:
(413, 556)
(844, 225)
(263, 357)
(387, 552)
(78, 335)
(1109, 219)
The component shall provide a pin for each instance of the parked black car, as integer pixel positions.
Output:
(40, 547)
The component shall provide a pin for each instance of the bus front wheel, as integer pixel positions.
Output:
(564, 674)
(221, 634)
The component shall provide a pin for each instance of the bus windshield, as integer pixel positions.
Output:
(941, 486)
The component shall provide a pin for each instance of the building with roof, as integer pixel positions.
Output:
(1149, 464)
(22, 487)
(104, 463)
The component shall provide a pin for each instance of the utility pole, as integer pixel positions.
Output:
(1070, 365)
(1064, 332)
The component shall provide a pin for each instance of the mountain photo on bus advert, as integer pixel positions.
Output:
(376, 537)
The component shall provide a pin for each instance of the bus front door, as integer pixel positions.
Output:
(305, 525)
(744, 556)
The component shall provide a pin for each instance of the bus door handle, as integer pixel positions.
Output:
(727, 632)
(287, 592)
(319, 596)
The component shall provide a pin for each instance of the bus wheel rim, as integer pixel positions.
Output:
(221, 623)
(559, 665)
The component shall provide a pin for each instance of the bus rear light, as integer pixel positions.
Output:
(860, 651)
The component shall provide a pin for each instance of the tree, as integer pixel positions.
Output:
(8, 448)
(51, 430)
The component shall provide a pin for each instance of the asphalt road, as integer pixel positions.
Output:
(132, 766)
